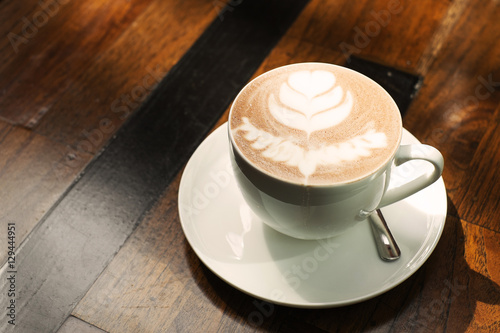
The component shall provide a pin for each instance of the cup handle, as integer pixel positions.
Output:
(407, 153)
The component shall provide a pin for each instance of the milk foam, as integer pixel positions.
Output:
(315, 124)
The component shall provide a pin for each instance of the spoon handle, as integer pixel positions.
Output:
(387, 247)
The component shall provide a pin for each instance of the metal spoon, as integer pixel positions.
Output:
(387, 247)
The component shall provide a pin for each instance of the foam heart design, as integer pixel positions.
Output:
(309, 101)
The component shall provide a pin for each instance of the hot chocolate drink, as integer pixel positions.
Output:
(315, 124)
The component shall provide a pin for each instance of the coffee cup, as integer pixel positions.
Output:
(313, 147)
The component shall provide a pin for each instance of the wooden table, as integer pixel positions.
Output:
(103, 103)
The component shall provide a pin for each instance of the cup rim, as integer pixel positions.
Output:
(362, 179)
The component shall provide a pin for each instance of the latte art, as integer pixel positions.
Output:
(315, 124)
(310, 102)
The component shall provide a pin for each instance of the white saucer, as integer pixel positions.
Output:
(240, 249)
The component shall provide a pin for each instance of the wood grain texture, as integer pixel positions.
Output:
(54, 47)
(100, 70)
(129, 71)
(453, 13)
(34, 174)
(121, 78)
(159, 248)
(38, 167)
(455, 112)
(479, 195)
(373, 29)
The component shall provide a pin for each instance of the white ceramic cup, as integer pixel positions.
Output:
(328, 210)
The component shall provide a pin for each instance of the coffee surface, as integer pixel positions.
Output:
(315, 124)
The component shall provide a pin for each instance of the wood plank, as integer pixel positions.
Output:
(157, 276)
(121, 78)
(479, 193)
(128, 295)
(381, 31)
(34, 173)
(446, 26)
(75, 242)
(455, 108)
(62, 44)
(41, 168)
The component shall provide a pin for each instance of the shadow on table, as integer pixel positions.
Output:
(441, 295)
